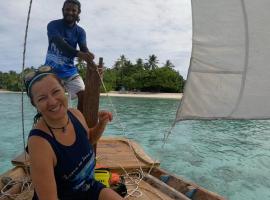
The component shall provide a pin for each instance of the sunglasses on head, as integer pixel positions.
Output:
(30, 75)
(33, 75)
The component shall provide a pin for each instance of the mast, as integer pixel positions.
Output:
(91, 94)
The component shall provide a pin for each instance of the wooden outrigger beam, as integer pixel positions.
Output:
(91, 94)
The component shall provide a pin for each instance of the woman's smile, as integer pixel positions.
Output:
(49, 99)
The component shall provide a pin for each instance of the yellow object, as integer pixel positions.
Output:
(103, 176)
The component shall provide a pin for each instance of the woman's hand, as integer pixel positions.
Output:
(95, 133)
(104, 117)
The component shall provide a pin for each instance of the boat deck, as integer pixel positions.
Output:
(119, 153)
(148, 192)
(122, 156)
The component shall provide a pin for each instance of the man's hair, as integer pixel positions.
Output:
(76, 2)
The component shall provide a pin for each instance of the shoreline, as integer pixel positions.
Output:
(144, 95)
(131, 94)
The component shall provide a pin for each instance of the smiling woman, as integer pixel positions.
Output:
(66, 168)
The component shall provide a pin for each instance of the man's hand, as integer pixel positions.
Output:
(86, 56)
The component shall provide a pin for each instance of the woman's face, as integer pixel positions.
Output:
(49, 98)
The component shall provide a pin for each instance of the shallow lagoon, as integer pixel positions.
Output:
(231, 158)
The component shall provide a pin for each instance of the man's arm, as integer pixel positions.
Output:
(64, 46)
(84, 53)
(55, 37)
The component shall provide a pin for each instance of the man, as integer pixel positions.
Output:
(64, 35)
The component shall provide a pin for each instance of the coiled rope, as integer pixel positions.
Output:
(24, 186)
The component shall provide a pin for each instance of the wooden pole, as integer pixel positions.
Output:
(91, 94)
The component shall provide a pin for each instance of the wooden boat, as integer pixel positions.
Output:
(127, 158)
(228, 79)
(144, 178)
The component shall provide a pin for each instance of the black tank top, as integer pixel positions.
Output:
(74, 172)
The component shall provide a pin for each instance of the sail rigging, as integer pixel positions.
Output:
(229, 74)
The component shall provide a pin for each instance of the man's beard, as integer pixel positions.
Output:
(70, 19)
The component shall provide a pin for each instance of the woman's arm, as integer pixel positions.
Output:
(42, 160)
(94, 133)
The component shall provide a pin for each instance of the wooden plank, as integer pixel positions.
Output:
(184, 186)
(21, 160)
(147, 192)
(121, 144)
(91, 94)
(163, 187)
(117, 153)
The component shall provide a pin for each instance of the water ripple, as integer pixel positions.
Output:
(228, 157)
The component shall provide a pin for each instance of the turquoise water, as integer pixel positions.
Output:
(231, 158)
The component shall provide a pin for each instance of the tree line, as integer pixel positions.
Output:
(145, 76)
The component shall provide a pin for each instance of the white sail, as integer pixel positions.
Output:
(229, 74)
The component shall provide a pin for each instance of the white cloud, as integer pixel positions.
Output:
(134, 28)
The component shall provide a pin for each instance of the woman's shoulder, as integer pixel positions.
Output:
(76, 113)
(38, 139)
(40, 132)
(79, 116)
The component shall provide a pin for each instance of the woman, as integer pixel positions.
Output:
(61, 145)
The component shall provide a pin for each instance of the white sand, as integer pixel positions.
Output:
(145, 95)
(132, 94)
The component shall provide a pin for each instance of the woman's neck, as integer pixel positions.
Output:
(56, 123)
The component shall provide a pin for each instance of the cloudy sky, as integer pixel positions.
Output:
(134, 28)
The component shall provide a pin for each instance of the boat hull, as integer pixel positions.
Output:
(128, 159)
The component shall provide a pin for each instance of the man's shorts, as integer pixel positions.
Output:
(73, 85)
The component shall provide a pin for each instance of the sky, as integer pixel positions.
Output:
(134, 28)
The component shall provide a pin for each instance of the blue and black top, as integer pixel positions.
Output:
(74, 172)
(63, 41)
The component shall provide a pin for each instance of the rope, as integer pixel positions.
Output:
(22, 74)
(26, 185)
(131, 179)
(165, 139)
(136, 192)
(123, 129)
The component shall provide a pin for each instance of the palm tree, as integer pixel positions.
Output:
(152, 62)
(139, 64)
(169, 64)
(120, 63)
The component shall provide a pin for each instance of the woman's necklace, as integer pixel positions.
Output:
(63, 128)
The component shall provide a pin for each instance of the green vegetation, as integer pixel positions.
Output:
(141, 76)
(10, 81)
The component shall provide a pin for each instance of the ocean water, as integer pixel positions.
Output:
(231, 158)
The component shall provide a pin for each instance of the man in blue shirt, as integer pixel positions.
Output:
(64, 35)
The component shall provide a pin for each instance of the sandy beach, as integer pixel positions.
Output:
(132, 94)
(144, 95)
